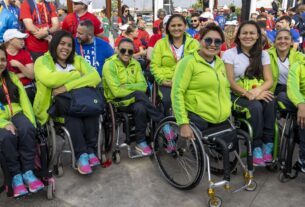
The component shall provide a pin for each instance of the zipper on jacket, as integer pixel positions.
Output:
(218, 93)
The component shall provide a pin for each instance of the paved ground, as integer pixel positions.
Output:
(138, 183)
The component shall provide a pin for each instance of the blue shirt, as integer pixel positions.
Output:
(295, 35)
(221, 21)
(103, 51)
(192, 32)
(7, 21)
(13, 9)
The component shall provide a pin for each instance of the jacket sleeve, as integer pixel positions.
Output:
(140, 84)
(155, 65)
(181, 80)
(89, 76)
(25, 103)
(111, 77)
(47, 75)
(293, 84)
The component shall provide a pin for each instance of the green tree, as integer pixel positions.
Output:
(198, 4)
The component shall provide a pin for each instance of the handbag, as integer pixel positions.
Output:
(81, 102)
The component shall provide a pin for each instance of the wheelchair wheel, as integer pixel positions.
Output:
(217, 202)
(50, 191)
(184, 167)
(109, 128)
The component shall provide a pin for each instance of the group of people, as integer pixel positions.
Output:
(201, 74)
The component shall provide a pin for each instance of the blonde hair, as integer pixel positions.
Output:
(229, 33)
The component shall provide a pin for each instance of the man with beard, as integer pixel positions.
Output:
(93, 49)
(193, 31)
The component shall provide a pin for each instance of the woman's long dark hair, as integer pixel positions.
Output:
(12, 88)
(55, 42)
(255, 68)
(171, 19)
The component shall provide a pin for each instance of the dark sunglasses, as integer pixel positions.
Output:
(123, 51)
(203, 19)
(195, 20)
(77, 3)
(217, 42)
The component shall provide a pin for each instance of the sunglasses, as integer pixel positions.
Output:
(195, 20)
(202, 19)
(217, 42)
(123, 51)
(77, 3)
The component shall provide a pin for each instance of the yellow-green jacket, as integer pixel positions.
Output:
(201, 89)
(163, 62)
(294, 56)
(119, 81)
(48, 77)
(23, 106)
(296, 83)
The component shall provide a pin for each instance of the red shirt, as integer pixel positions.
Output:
(71, 21)
(137, 43)
(32, 43)
(143, 36)
(154, 39)
(156, 24)
(23, 57)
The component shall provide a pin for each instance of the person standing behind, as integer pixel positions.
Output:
(19, 60)
(8, 21)
(194, 30)
(80, 8)
(161, 14)
(105, 22)
(12, 7)
(126, 17)
(220, 19)
(93, 49)
(143, 34)
(40, 21)
(232, 16)
(116, 23)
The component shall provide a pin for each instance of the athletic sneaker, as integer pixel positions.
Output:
(302, 164)
(258, 157)
(267, 152)
(93, 160)
(18, 186)
(143, 148)
(170, 137)
(83, 165)
(32, 181)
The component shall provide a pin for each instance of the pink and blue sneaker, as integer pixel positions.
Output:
(258, 157)
(267, 152)
(170, 137)
(83, 165)
(32, 182)
(93, 160)
(144, 148)
(18, 186)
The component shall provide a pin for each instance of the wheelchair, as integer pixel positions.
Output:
(44, 161)
(117, 122)
(62, 140)
(185, 167)
(289, 138)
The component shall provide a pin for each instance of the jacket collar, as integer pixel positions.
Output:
(198, 58)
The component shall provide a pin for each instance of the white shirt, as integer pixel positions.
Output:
(179, 52)
(283, 70)
(69, 68)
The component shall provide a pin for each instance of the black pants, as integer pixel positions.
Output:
(262, 119)
(166, 99)
(31, 92)
(143, 111)
(83, 132)
(23, 144)
(36, 55)
(282, 97)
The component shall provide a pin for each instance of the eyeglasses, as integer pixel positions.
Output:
(217, 42)
(77, 3)
(203, 19)
(123, 51)
(195, 20)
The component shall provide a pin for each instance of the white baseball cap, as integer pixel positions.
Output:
(87, 2)
(13, 33)
(124, 27)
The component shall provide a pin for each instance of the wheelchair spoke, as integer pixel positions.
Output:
(184, 166)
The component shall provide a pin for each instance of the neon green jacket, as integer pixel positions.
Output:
(23, 106)
(296, 83)
(163, 62)
(48, 77)
(201, 89)
(293, 57)
(120, 81)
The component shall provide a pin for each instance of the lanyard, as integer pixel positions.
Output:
(77, 18)
(175, 54)
(38, 14)
(94, 49)
(7, 96)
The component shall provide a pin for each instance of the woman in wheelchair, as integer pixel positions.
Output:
(168, 52)
(296, 94)
(249, 73)
(60, 70)
(17, 131)
(125, 87)
(282, 57)
(201, 91)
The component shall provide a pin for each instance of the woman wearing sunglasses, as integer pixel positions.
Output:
(250, 77)
(168, 52)
(126, 17)
(125, 87)
(201, 91)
